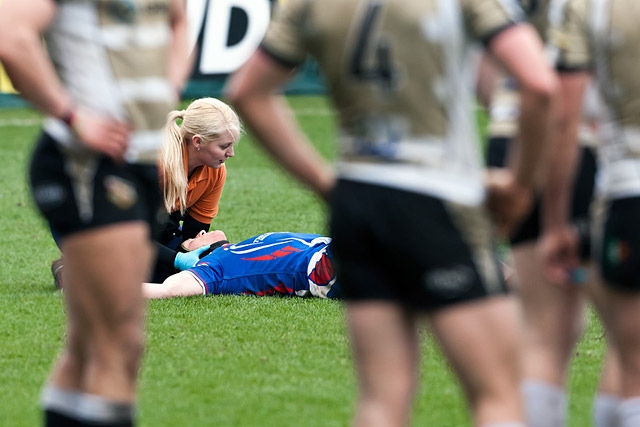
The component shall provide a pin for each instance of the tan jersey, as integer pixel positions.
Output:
(399, 75)
(545, 15)
(113, 59)
(537, 12)
(603, 36)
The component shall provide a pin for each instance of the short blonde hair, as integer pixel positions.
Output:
(209, 118)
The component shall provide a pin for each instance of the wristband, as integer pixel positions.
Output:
(69, 118)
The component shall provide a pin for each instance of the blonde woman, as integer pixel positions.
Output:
(196, 144)
(193, 173)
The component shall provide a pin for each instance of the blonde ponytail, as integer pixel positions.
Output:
(209, 118)
(174, 177)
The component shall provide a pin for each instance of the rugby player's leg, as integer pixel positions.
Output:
(106, 315)
(553, 323)
(385, 346)
(481, 341)
(607, 399)
(620, 314)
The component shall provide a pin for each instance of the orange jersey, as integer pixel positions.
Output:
(204, 190)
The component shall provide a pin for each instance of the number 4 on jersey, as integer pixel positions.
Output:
(369, 41)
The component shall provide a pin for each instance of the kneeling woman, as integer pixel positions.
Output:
(193, 172)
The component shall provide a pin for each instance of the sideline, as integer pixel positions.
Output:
(38, 121)
(20, 122)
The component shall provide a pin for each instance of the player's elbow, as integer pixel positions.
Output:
(253, 85)
(232, 92)
(541, 91)
(12, 41)
(236, 92)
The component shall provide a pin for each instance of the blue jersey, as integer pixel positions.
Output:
(272, 263)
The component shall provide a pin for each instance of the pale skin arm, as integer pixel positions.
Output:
(488, 74)
(252, 90)
(520, 51)
(564, 157)
(180, 62)
(182, 284)
(23, 55)
(558, 245)
(32, 73)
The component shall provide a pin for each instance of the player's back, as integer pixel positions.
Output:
(603, 36)
(400, 77)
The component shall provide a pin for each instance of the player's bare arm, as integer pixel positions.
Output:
(251, 90)
(181, 284)
(559, 243)
(519, 50)
(23, 55)
(32, 73)
(180, 60)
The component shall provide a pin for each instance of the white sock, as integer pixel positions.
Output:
(604, 410)
(82, 406)
(545, 404)
(62, 401)
(97, 409)
(629, 413)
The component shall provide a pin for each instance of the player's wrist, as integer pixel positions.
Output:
(70, 118)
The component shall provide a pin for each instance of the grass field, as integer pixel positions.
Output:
(218, 361)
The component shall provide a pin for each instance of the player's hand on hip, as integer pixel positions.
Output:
(103, 135)
(508, 202)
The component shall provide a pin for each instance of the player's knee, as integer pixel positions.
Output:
(395, 393)
(133, 348)
(497, 388)
(127, 332)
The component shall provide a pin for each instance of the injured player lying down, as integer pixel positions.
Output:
(280, 263)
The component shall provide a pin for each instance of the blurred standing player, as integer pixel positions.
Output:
(553, 314)
(600, 38)
(112, 74)
(411, 234)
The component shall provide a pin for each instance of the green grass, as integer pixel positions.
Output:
(218, 361)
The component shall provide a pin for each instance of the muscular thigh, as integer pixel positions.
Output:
(81, 191)
(411, 248)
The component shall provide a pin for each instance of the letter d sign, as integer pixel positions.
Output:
(224, 48)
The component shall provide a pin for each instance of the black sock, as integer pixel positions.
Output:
(56, 419)
(68, 408)
(121, 423)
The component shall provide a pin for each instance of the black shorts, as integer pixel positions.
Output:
(617, 244)
(79, 192)
(410, 248)
(529, 229)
